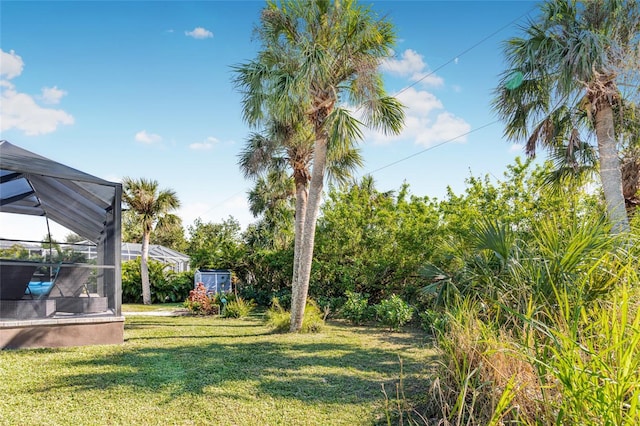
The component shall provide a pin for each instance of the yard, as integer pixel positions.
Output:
(198, 370)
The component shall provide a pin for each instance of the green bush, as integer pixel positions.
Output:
(280, 319)
(393, 312)
(434, 321)
(312, 322)
(238, 308)
(174, 288)
(356, 308)
(166, 285)
(277, 317)
(331, 306)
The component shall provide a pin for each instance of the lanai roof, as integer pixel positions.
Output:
(34, 185)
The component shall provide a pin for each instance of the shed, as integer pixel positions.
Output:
(215, 280)
(87, 205)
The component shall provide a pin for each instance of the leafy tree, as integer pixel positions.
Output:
(73, 238)
(215, 245)
(563, 84)
(16, 251)
(315, 57)
(373, 242)
(153, 208)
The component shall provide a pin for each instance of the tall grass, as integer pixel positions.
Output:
(280, 319)
(552, 336)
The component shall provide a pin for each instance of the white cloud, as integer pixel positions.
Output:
(447, 127)
(205, 145)
(419, 102)
(11, 65)
(412, 65)
(149, 138)
(19, 110)
(516, 148)
(426, 122)
(411, 62)
(52, 95)
(199, 33)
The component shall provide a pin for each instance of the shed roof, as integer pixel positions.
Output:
(34, 185)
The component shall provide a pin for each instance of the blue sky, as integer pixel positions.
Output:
(143, 89)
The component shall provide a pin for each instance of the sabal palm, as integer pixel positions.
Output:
(153, 207)
(268, 157)
(570, 60)
(316, 57)
(282, 145)
(272, 198)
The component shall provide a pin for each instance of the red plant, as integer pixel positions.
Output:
(202, 302)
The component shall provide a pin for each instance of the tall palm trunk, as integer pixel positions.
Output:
(301, 210)
(610, 167)
(144, 269)
(299, 298)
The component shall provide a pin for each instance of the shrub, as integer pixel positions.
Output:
(238, 308)
(433, 321)
(393, 312)
(174, 288)
(264, 297)
(313, 320)
(166, 285)
(331, 306)
(277, 317)
(280, 319)
(223, 298)
(356, 308)
(200, 302)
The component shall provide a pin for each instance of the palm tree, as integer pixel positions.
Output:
(318, 56)
(267, 156)
(283, 145)
(562, 85)
(272, 198)
(153, 208)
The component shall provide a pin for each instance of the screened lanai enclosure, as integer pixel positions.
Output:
(60, 300)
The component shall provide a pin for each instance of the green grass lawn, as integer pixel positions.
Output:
(139, 307)
(212, 371)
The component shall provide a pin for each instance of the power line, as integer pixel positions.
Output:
(415, 154)
(464, 52)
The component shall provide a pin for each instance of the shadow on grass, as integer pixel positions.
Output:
(316, 368)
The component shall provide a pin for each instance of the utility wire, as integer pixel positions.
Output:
(431, 147)
(464, 52)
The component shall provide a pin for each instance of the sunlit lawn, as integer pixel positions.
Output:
(197, 371)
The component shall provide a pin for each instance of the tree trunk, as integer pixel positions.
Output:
(610, 168)
(630, 169)
(144, 269)
(301, 207)
(299, 298)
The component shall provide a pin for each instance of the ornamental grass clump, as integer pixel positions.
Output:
(238, 308)
(280, 320)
